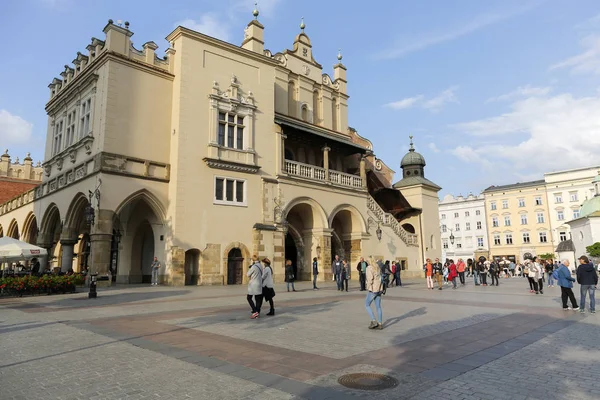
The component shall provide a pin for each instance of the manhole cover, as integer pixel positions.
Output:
(367, 381)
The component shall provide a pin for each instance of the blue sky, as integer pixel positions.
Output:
(494, 91)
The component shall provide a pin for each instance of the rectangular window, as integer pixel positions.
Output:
(575, 214)
(523, 219)
(58, 133)
(231, 131)
(230, 191)
(70, 132)
(543, 237)
(497, 241)
(504, 203)
(479, 242)
(457, 227)
(558, 198)
(508, 238)
(526, 238)
(521, 202)
(478, 224)
(493, 205)
(574, 196)
(467, 214)
(444, 228)
(443, 216)
(538, 201)
(468, 226)
(507, 220)
(540, 218)
(455, 215)
(477, 212)
(560, 215)
(495, 222)
(562, 236)
(445, 243)
(84, 119)
(458, 246)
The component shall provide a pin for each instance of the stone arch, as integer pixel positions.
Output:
(317, 210)
(1, 231)
(408, 228)
(192, 267)
(30, 229)
(150, 199)
(294, 248)
(247, 257)
(75, 215)
(140, 219)
(49, 235)
(357, 219)
(50, 220)
(13, 229)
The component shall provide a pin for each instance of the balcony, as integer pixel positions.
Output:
(314, 173)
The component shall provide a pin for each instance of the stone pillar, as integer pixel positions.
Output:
(176, 271)
(100, 246)
(281, 163)
(66, 261)
(210, 265)
(363, 171)
(325, 258)
(278, 260)
(326, 161)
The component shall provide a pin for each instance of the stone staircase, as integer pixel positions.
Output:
(387, 219)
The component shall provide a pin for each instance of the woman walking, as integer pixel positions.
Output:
(268, 289)
(289, 275)
(429, 274)
(375, 288)
(452, 273)
(255, 286)
(529, 275)
(565, 281)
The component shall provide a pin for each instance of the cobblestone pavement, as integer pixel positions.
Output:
(141, 342)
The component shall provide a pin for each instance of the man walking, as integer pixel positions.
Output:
(438, 271)
(361, 267)
(565, 281)
(155, 271)
(315, 271)
(588, 279)
(460, 267)
(336, 270)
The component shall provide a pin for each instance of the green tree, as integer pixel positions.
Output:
(593, 250)
(546, 256)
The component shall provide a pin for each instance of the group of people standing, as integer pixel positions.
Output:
(447, 272)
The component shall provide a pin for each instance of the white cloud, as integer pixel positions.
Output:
(521, 91)
(208, 24)
(447, 96)
(558, 132)
(586, 62)
(433, 147)
(14, 130)
(405, 103)
(412, 44)
(434, 104)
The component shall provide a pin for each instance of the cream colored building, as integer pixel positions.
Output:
(211, 154)
(566, 191)
(518, 220)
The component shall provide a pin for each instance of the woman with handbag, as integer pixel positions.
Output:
(255, 287)
(268, 289)
(289, 275)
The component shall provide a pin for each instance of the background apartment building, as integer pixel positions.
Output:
(463, 226)
(566, 191)
(518, 220)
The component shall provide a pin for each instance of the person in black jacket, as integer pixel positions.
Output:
(588, 279)
(482, 270)
(438, 272)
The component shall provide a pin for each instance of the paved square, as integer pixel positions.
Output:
(198, 342)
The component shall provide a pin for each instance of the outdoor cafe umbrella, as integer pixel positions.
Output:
(16, 250)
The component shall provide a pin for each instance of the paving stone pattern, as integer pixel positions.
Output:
(140, 342)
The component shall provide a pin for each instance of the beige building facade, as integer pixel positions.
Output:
(211, 154)
(518, 220)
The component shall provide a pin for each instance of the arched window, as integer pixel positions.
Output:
(305, 113)
(291, 99)
(316, 108)
(408, 228)
(334, 115)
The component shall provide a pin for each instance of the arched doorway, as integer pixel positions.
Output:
(13, 230)
(303, 216)
(192, 266)
(235, 266)
(49, 235)
(30, 229)
(348, 226)
(142, 252)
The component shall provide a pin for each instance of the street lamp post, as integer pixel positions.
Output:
(90, 217)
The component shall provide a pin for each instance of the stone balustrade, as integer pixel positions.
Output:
(315, 173)
(387, 219)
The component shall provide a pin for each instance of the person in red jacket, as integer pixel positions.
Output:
(452, 273)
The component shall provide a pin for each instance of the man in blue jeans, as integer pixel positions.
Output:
(588, 279)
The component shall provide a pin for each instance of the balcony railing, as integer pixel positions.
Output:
(318, 174)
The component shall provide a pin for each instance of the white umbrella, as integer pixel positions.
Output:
(16, 250)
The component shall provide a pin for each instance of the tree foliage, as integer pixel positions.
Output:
(546, 256)
(593, 250)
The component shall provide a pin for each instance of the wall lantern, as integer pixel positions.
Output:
(451, 238)
(378, 232)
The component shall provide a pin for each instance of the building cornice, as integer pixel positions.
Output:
(182, 31)
(231, 166)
